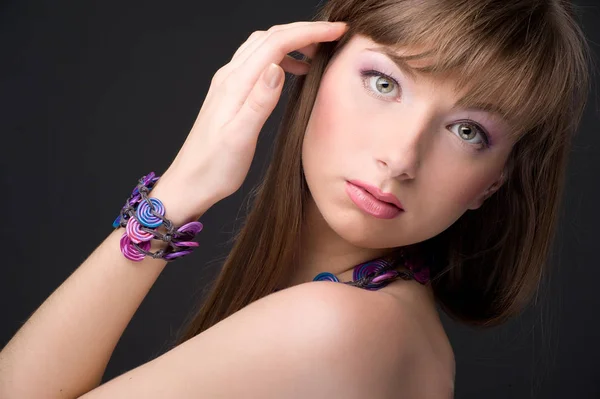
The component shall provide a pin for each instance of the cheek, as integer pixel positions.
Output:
(457, 184)
(329, 133)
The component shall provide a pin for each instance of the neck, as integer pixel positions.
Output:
(323, 250)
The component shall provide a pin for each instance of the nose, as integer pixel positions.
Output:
(397, 170)
(400, 150)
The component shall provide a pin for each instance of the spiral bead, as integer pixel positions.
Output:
(135, 233)
(174, 255)
(326, 276)
(130, 251)
(364, 269)
(378, 273)
(188, 231)
(141, 216)
(145, 215)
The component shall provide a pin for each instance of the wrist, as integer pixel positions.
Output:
(179, 207)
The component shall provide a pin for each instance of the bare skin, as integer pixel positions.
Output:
(376, 122)
(63, 349)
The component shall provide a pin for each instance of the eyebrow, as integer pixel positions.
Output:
(408, 70)
(399, 61)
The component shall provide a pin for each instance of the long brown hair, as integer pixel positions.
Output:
(529, 58)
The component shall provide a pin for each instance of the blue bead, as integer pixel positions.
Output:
(326, 276)
(146, 218)
(117, 221)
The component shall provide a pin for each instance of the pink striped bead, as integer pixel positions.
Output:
(135, 233)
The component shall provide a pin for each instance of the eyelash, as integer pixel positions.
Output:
(368, 73)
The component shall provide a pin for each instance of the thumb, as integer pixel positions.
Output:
(261, 101)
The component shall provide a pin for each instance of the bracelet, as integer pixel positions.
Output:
(141, 216)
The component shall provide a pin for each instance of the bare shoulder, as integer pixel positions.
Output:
(394, 342)
(427, 349)
(317, 340)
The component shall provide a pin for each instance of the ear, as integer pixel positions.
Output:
(488, 192)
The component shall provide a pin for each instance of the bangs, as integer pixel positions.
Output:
(507, 57)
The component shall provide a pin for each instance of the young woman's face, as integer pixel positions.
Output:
(373, 123)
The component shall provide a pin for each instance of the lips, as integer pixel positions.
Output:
(369, 204)
(377, 193)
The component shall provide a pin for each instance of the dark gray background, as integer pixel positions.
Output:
(93, 95)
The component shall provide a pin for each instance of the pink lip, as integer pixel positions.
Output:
(366, 202)
(377, 193)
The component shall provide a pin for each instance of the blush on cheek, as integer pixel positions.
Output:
(326, 116)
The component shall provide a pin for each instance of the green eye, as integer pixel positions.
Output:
(380, 84)
(384, 85)
(471, 133)
(466, 131)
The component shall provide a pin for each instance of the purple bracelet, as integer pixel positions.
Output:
(140, 216)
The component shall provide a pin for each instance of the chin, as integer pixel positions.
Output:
(365, 232)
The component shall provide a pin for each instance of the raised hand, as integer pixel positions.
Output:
(216, 156)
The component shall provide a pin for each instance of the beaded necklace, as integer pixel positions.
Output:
(378, 273)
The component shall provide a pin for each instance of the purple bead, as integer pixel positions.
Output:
(130, 251)
(186, 244)
(148, 178)
(370, 267)
(135, 199)
(384, 276)
(174, 255)
(422, 276)
(188, 231)
(191, 227)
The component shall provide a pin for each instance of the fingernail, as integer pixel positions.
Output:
(272, 76)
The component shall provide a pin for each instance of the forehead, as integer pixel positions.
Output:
(415, 54)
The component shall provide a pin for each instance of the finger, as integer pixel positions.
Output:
(294, 66)
(256, 39)
(276, 46)
(289, 64)
(240, 82)
(309, 50)
(260, 34)
(260, 103)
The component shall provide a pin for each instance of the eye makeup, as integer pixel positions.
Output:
(372, 66)
(485, 138)
(375, 64)
(367, 74)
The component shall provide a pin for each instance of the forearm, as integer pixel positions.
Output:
(64, 347)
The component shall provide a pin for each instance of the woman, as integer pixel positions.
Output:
(429, 137)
